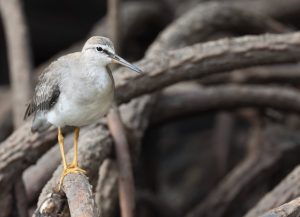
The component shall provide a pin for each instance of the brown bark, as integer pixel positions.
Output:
(5, 113)
(19, 56)
(107, 189)
(201, 23)
(285, 73)
(80, 196)
(206, 59)
(288, 189)
(126, 181)
(113, 19)
(183, 100)
(272, 8)
(21, 198)
(290, 209)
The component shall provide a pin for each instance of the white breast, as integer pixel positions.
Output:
(84, 98)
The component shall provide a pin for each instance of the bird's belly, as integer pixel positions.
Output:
(80, 111)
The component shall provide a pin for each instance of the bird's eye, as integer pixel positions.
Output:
(99, 49)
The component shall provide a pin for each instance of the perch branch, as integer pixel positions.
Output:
(80, 196)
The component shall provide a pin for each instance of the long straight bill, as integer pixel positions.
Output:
(121, 61)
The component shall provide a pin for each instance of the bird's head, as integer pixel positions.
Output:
(101, 49)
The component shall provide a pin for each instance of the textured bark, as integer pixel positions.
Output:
(273, 8)
(191, 99)
(288, 189)
(126, 182)
(80, 196)
(290, 209)
(19, 56)
(21, 198)
(106, 190)
(6, 125)
(206, 59)
(20, 150)
(202, 22)
(277, 144)
(113, 19)
(286, 73)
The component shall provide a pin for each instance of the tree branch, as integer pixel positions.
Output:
(126, 182)
(201, 22)
(290, 209)
(107, 189)
(207, 59)
(288, 189)
(185, 100)
(19, 56)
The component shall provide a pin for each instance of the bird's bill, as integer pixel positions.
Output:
(121, 61)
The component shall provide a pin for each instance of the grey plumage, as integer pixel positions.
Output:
(77, 89)
(46, 94)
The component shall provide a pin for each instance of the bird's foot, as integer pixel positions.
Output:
(71, 168)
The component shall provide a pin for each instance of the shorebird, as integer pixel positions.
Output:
(75, 90)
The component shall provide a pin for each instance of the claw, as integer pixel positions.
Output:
(71, 168)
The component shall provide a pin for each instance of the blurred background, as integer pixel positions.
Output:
(216, 162)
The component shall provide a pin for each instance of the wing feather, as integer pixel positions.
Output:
(46, 92)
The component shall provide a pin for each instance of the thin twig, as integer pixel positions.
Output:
(126, 182)
(114, 23)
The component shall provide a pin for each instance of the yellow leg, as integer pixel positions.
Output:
(73, 167)
(76, 136)
(62, 148)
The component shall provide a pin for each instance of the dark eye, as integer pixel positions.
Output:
(99, 49)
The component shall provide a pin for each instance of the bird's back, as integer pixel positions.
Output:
(47, 90)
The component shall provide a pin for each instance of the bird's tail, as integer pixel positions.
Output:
(40, 123)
